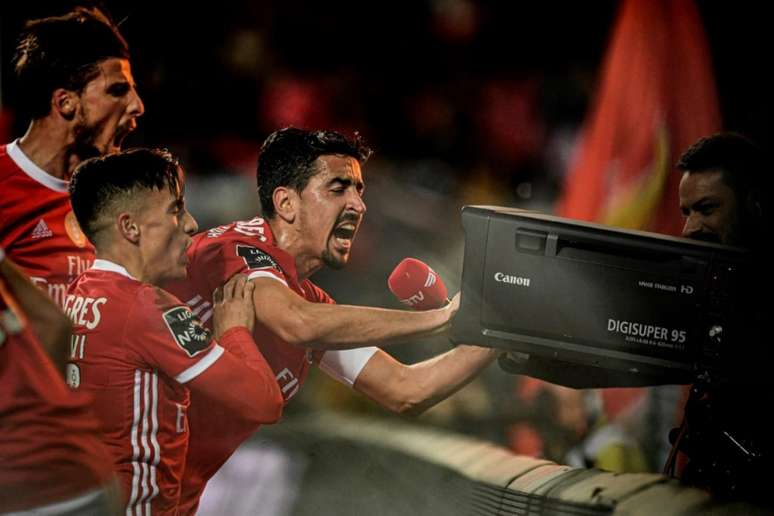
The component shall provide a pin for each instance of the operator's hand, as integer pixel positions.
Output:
(233, 305)
(453, 306)
(450, 309)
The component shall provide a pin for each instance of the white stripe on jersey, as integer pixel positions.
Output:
(192, 302)
(202, 365)
(266, 274)
(135, 447)
(154, 437)
(146, 452)
(198, 309)
(145, 479)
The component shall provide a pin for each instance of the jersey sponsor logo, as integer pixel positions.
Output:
(288, 383)
(255, 258)
(188, 331)
(41, 230)
(56, 291)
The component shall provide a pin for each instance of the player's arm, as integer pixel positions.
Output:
(326, 326)
(230, 372)
(240, 379)
(51, 326)
(408, 389)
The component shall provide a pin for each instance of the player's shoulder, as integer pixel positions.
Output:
(247, 239)
(255, 230)
(154, 300)
(162, 311)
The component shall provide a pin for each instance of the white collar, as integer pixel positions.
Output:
(106, 265)
(32, 170)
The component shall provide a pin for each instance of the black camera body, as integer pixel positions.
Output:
(586, 305)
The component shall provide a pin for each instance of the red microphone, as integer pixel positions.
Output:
(417, 286)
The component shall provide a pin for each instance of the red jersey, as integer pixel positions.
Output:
(49, 449)
(134, 348)
(215, 256)
(37, 226)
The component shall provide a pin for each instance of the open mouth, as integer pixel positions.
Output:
(122, 132)
(344, 234)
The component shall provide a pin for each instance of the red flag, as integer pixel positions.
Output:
(656, 97)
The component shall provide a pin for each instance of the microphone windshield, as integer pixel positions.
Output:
(417, 286)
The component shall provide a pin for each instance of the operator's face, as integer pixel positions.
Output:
(710, 208)
(108, 108)
(165, 235)
(332, 209)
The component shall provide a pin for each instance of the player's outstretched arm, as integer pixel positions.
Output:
(325, 326)
(412, 389)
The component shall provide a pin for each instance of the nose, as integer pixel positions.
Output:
(692, 226)
(136, 106)
(190, 226)
(357, 204)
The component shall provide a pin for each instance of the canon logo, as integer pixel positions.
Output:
(511, 280)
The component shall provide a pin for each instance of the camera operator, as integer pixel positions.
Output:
(724, 194)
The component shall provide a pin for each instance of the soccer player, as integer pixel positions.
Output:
(76, 84)
(51, 461)
(311, 187)
(139, 350)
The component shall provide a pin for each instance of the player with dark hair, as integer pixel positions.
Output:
(76, 85)
(51, 459)
(139, 350)
(311, 186)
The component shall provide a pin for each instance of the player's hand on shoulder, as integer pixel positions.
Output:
(233, 305)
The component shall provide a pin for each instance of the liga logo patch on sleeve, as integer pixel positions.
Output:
(255, 258)
(187, 330)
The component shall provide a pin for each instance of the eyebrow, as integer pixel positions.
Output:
(346, 181)
(698, 203)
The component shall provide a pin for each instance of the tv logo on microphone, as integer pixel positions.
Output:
(419, 296)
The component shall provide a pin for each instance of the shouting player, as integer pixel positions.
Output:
(311, 188)
(76, 84)
(139, 350)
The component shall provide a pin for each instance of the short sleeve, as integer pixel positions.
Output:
(345, 365)
(251, 260)
(166, 335)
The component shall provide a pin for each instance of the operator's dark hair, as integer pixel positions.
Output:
(739, 160)
(287, 159)
(99, 184)
(63, 52)
(742, 168)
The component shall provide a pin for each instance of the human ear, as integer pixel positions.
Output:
(65, 102)
(128, 227)
(285, 203)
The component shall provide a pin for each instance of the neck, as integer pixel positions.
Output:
(288, 238)
(49, 144)
(128, 258)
